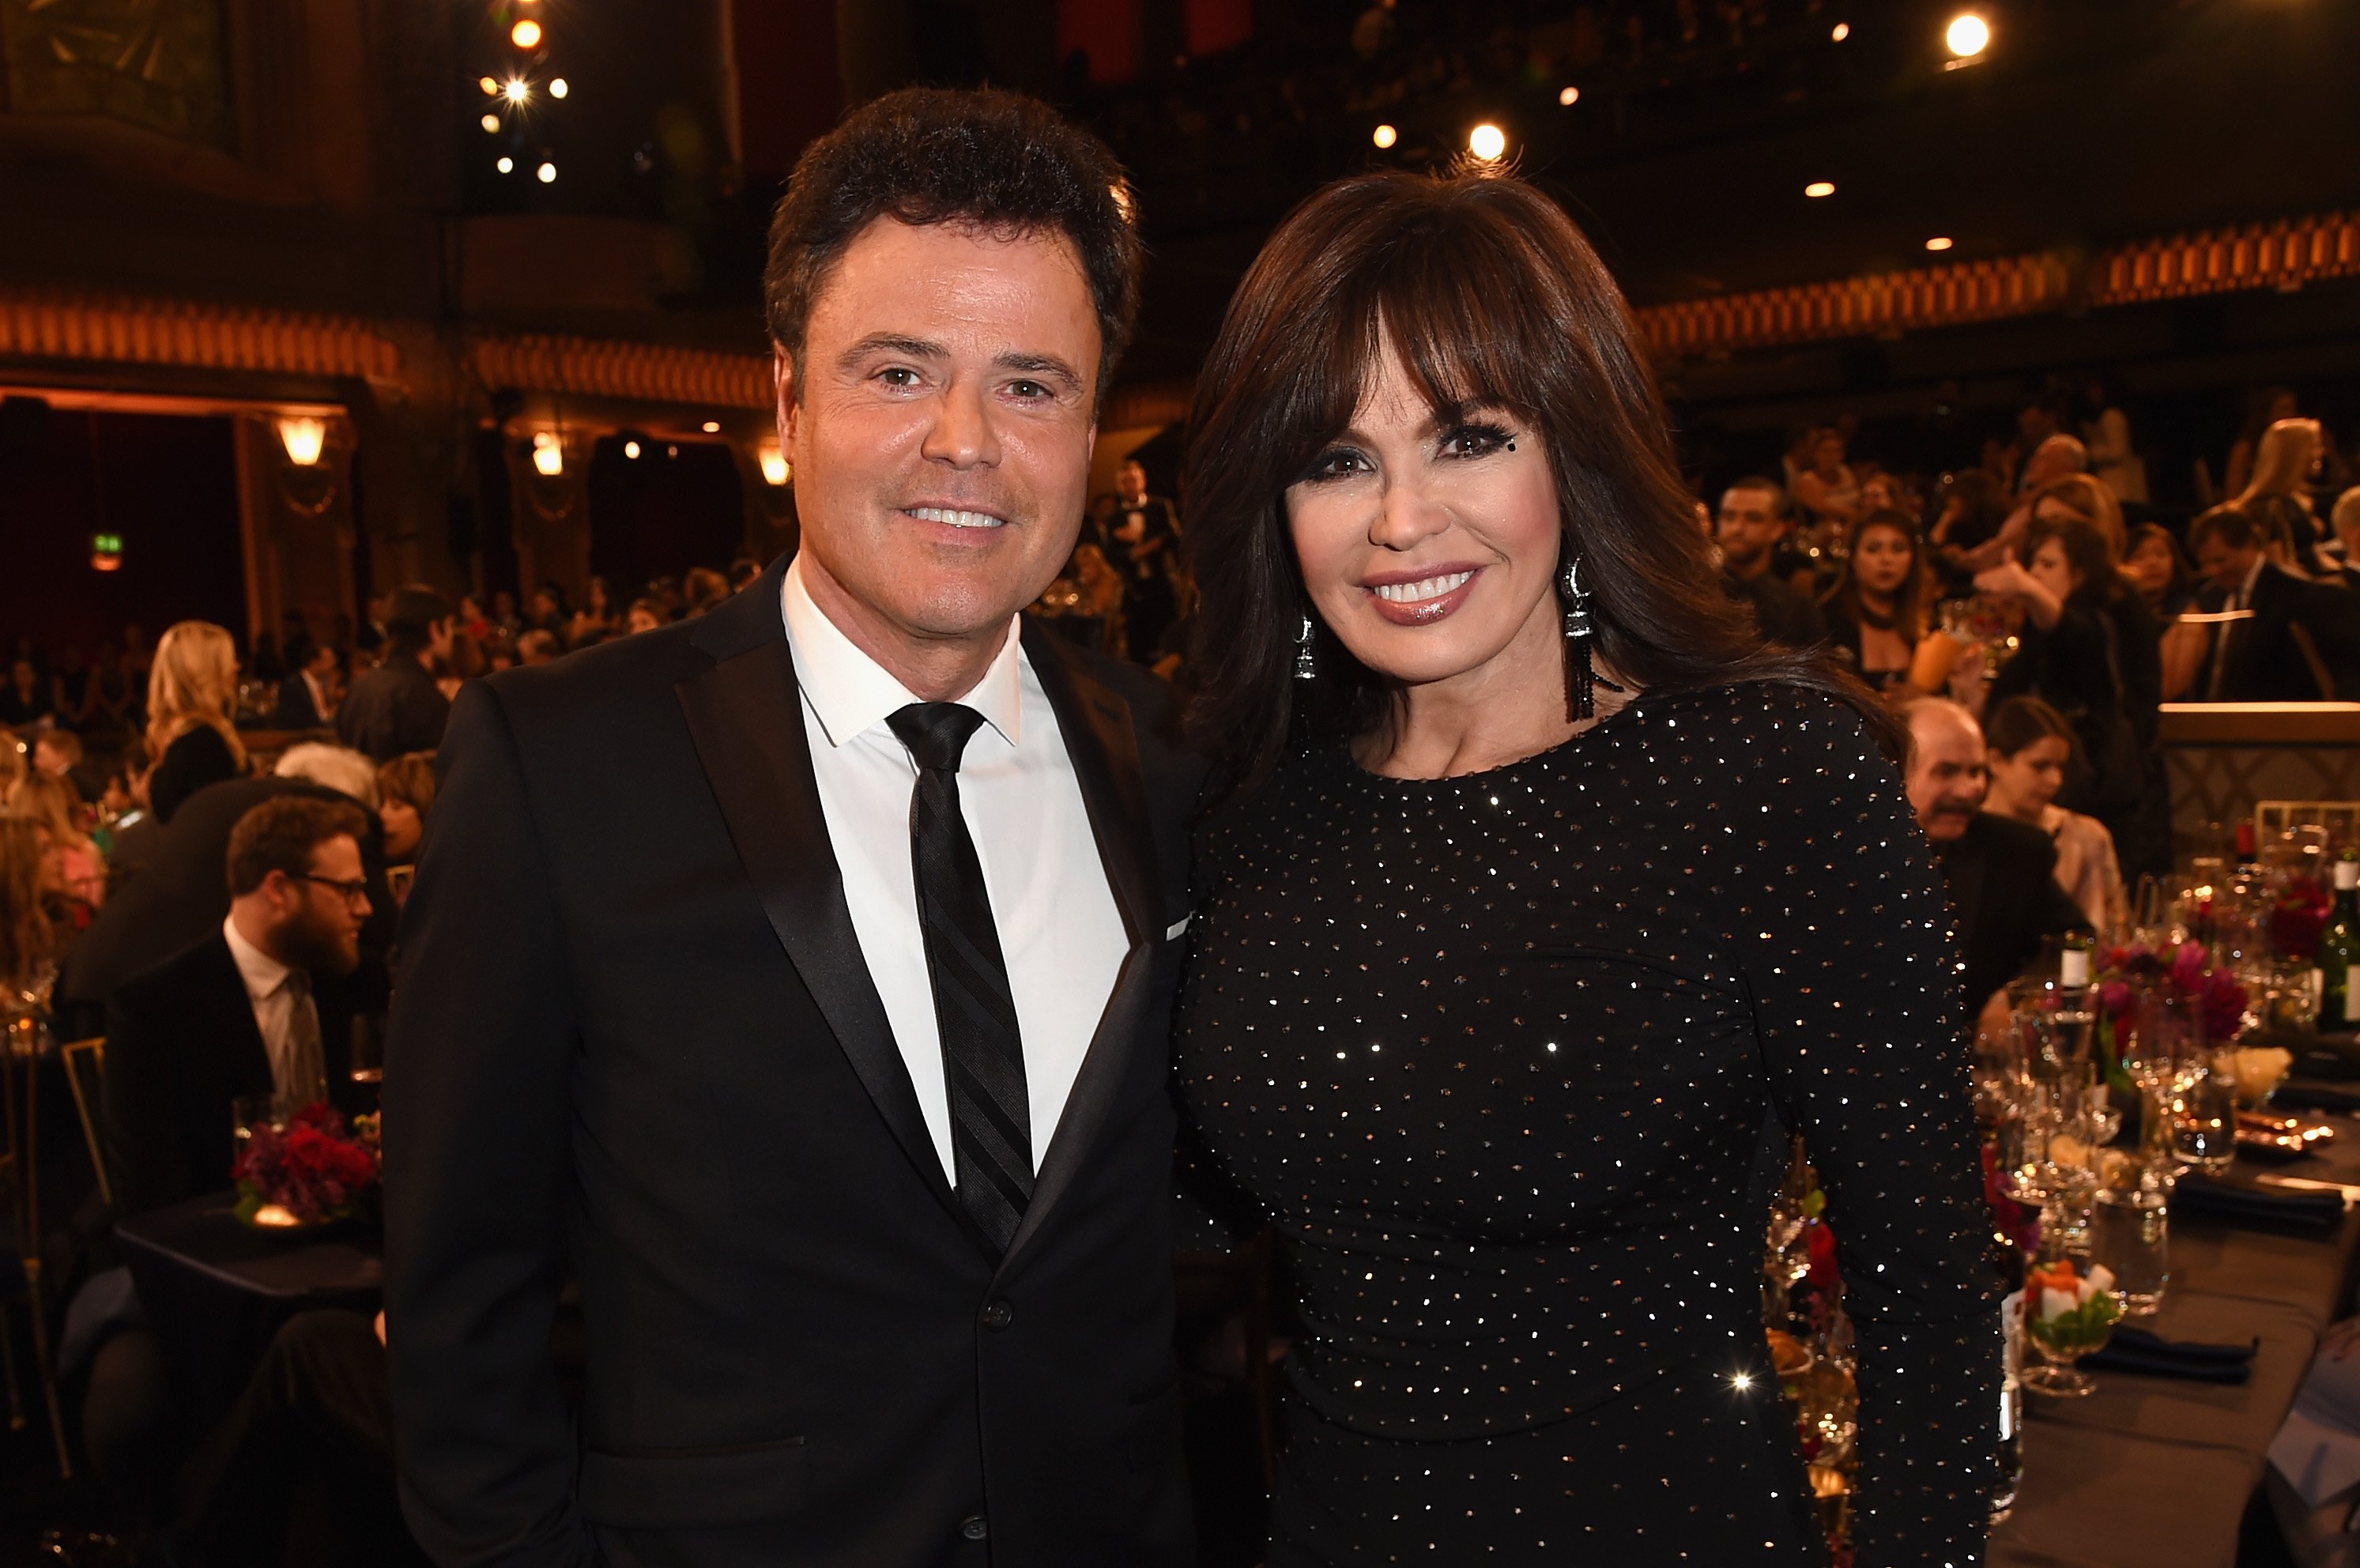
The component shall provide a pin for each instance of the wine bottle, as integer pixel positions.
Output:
(2339, 951)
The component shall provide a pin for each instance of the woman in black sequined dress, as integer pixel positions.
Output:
(1497, 973)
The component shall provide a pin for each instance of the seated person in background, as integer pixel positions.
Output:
(307, 697)
(34, 930)
(235, 1015)
(1876, 615)
(59, 754)
(2001, 873)
(539, 646)
(76, 869)
(191, 701)
(2297, 641)
(2346, 520)
(645, 615)
(2158, 569)
(2031, 743)
(1974, 506)
(337, 768)
(1752, 523)
(397, 706)
(405, 789)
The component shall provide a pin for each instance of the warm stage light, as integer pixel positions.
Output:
(1819, 188)
(1968, 35)
(518, 90)
(548, 455)
(1487, 141)
(491, 88)
(711, 426)
(1385, 136)
(1843, 31)
(1939, 241)
(545, 173)
(1569, 96)
(775, 469)
(304, 438)
(557, 88)
(631, 451)
(491, 122)
(526, 34)
(506, 166)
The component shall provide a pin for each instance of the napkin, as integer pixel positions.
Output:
(2199, 1197)
(2137, 1350)
(2309, 1093)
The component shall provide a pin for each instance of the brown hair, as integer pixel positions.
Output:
(28, 942)
(1491, 297)
(2088, 497)
(409, 778)
(2024, 720)
(1003, 163)
(281, 833)
(2087, 551)
(1909, 612)
(2230, 523)
(49, 800)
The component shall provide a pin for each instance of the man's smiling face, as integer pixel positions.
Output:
(941, 431)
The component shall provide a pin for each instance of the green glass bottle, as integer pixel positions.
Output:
(2339, 954)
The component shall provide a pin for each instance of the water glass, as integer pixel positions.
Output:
(2130, 1234)
(2204, 1116)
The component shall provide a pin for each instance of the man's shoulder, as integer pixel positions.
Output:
(174, 980)
(2007, 841)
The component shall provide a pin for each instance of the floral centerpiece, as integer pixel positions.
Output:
(313, 1171)
(2185, 973)
(2299, 915)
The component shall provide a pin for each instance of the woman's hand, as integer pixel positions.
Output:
(2008, 577)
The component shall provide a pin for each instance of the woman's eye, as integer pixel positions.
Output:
(1474, 441)
(1338, 464)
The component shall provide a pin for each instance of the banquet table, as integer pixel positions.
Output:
(2156, 1473)
(214, 1292)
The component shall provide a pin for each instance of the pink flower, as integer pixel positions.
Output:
(2116, 997)
(2188, 966)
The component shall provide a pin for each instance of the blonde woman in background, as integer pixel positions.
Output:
(192, 692)
(78, 870)
(2081, 496)
(2279, 497)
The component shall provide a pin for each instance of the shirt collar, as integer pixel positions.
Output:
(851, 694)
(2252, 576)
(262, 974)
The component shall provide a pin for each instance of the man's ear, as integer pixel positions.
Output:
(782, 393)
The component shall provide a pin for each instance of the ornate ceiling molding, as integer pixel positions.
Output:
(595, 367)
(182, 333)
(2282, 256)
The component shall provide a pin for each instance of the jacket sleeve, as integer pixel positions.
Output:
(145, 1155)
(1847, 952)
(477, 1162)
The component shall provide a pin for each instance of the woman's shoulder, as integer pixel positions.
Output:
(1772, 722)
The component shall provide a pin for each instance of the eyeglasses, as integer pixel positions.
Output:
(354, 892)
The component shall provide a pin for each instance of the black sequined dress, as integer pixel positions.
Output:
(1493, 1054)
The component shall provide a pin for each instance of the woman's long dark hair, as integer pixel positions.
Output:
(1908, 600)
(1491, 296)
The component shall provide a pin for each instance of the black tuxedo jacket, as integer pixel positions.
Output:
(636, 1037)
(182, 1045)
(297, 709)
(2264, 662)
(2002, 877)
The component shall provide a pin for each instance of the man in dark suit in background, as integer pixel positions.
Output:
(2001, 874)
(1751, 528)
(2279, 637)
(396, 707)
(305, 699)
(799, 976)
(234, 1016)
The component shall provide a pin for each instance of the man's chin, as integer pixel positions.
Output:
(1944, 827)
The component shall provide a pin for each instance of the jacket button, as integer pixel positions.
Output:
(998, 1315)
(974, 1528)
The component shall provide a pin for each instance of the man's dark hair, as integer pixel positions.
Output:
(281, 833)
(2228, 522)
(1004, 163)
(1776, 492)
(410, 614)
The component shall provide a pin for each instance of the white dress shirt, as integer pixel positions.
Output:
(1060, 930)
(274, 1002)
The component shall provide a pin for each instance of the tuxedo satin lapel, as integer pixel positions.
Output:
(745, 715)
(1096, 725)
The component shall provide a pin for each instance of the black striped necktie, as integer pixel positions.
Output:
(983, 1055)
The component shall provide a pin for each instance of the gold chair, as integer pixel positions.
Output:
(19, 1172)
(85, 1065)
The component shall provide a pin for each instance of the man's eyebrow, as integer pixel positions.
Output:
(890, 343)
(1047, 364)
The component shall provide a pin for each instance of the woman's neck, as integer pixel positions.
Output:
(2002, 804)
(1881, 600)
(1502, 711)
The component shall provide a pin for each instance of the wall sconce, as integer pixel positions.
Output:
(305, 438)
(548, 455)
(776, 470)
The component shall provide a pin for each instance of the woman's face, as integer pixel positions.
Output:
(643, 620)
(403, 828)
(1430, 544)
(2149, 566)
(1877, 493)
(1882, 560)
(2052, 570)
(1829, 453)
(2033, 775)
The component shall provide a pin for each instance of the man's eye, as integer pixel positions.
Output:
(1028, 389)
(898, 375)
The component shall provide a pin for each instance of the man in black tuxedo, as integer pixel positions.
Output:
(798, 976)
(2001, 873)
(2279, 637)
(305, 699)
(1752, 529)
(235, 1015)
(395, 707)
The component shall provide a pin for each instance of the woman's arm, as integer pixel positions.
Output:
(1843, 935)
(2010, 578)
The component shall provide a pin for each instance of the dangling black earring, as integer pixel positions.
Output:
(1580, 678)
(1305, 668)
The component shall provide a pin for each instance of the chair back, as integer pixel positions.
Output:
(85, 1065)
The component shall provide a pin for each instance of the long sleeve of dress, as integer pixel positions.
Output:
(1852, 965)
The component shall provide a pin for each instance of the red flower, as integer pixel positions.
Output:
(1822, 1275)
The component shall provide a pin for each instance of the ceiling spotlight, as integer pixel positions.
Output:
(631, 451)
(526, 34)
(557, 88)
(518, 90)
(491, 122)
(1487, 141)
(711, 427)
(1820, 188)
(506, 166)
(1568, 96)
(671, 451)
(1385, 136)
(1967, 36)
(491, 88)
(548, 455)
(1940, 241)
(1843, 31)
(545, 173)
